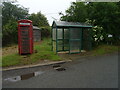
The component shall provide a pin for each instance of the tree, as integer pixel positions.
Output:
(105, 15)
(9, 33)
(13, 12)
(41, 21)
(77, 12)
(10, 15)
(38, 19)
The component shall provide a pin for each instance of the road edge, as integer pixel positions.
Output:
(36, 65)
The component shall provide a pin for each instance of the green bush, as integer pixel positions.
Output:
(45, 32)
(10, 33)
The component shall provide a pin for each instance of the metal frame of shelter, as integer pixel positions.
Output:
(71, 36)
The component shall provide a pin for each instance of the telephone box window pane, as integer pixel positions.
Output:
(24, 27)
(24, 32)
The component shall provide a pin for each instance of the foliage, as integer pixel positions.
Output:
(46, 32)
(13, 12)
(9, 34)
(38, 19)
(97, 35)
(41, 21)
(10, 15)
(104, 15)
(76, 13)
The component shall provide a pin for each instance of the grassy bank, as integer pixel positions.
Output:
(104, 49)
(43, 52)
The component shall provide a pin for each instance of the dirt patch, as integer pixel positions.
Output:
(38, 43)
(9, 50)
(68, 56)
(13, 49)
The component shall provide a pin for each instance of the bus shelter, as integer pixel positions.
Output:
(72, 37)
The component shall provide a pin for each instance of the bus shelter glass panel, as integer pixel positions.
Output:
(59, 33)
(54, 34)
(59, 39)
(66, 45)
(66, 39)
(75, 46)
(75, 33)
(66, 33)
(60, 45)
(75, 40)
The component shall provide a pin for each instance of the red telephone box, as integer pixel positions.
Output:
(25, 37)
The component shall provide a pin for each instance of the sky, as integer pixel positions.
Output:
(50, 8)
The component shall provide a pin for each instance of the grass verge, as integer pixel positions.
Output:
(104, 49)
(9, 60)
(43, 53)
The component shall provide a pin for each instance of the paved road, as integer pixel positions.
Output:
(89, 72)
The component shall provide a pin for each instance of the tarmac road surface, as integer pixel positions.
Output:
(89, 72)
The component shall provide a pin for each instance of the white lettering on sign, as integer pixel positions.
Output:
(24, 23)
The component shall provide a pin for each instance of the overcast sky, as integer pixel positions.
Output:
(50, 8)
